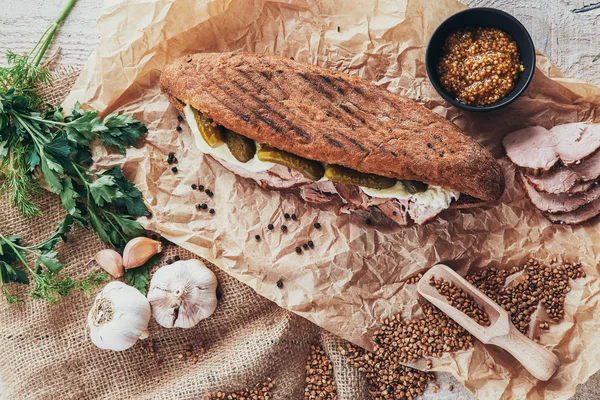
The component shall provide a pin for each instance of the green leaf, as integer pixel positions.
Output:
(68, 196)
(3, 148)
(79, 130)
(139, 278)
(52, 178)
(130, 227)
(50, 261)
(105, 190)
(120, 130)
(101, 228)
(132, 201)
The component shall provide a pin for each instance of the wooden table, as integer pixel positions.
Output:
(570, 40)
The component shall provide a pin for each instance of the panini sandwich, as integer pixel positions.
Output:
(330, 136)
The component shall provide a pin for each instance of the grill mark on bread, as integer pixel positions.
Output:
(334, 142)
(267, 107)
(263, 118)
(392, 124)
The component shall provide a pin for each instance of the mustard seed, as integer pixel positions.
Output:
(479, 66)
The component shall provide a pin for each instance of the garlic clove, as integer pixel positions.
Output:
(139, 250)
(110, 261)
(182, 294)
(119, 317)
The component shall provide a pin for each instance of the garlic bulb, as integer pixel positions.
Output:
(119, 317)
(182, 294)
(139, 250)
(110, 261)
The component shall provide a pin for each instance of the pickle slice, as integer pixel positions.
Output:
(311, 169)
(212, 134)
(413, 187)
(337, 173)
(242, 148)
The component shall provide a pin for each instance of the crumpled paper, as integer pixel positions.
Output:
(355, 274)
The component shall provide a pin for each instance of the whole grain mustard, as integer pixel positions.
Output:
(479, 65)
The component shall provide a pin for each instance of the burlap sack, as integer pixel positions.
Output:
(45, 354)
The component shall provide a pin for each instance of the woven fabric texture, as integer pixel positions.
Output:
(46, 353)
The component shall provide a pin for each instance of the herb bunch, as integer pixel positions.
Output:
(41, 144)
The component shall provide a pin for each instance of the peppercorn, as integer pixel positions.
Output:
(286, 216)
(212, 211)
(194, 186)
(178, 129)
(169, 261)
(179, 118)
(209, 193)
(294, 217)
(201, 187)
(204, 206)
(270, 227)
(153, 237)
(169, 161)
(257, 237)
(176, 258)
(174, 169)
(317, 225)
(368, 221)
(283, 228)
(311, 244)
(394, 213)
(305, 246)
(298, 250)
(280, 284)
(148, 215)
(171, 155)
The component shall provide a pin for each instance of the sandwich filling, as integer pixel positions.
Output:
(318, 182)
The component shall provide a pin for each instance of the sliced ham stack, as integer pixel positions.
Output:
(559, 169)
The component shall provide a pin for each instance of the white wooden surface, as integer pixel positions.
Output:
(570, 40)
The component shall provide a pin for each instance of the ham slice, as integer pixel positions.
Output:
(322, 192)
(559, 203)
(578, 216)
(576, 141)
(574, 179)
(532, 147)
(538, 148)
(319, 192)
(397, 210)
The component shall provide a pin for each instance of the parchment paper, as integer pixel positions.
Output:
(354, 275)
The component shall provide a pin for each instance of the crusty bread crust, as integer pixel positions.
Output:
(332, 117)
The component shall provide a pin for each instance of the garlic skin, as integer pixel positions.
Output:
(110, 261)
(119, 317)
(182, 294)
(139, 250)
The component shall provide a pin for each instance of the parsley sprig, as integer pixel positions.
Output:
(48, 283)
(41, 143)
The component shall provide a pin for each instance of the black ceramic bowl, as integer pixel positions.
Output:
(482, 17)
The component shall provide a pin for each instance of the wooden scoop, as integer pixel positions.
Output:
(537, 359)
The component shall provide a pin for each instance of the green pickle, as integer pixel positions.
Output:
(242, 148)
(413, 187)
(311, 169)
(337, 173)
(212, 134)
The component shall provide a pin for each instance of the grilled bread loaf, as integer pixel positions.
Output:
(332, 117)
